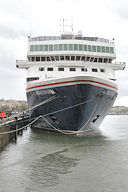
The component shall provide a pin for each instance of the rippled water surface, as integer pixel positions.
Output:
(46, 162)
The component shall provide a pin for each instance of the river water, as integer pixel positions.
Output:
(47, 162)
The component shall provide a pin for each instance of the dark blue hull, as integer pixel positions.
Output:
(78, 107)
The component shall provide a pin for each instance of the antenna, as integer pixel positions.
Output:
(63, 24)
(29, 36)
(72, 26)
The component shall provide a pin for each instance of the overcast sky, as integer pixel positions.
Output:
(102, 18)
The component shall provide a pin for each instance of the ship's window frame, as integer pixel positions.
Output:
(72, 69)
(99, 49)
(70, 47)
(60, 68)
(89, 48)
(36, 47)
(80, 47)
(41, 69)
(87, 58)
(75, 47)
(103, 49)
(93, 48)
(57, 58)
(33, 58)
(111, 49)
(60, 47)
(45, 47)
(65, 47)
(40, 47)
(100, 60)
(52, 58)
(91, 59)
(49, 68)
(62, 57)
(107, 49)
(48, 58)
(31, 47)
(95, 59)
(94, 70)
(83, 69)
(56, 47)
(105, 60)
(50, 47)
(85, 47)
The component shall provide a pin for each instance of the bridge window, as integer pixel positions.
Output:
(60, 47)
(89, 48)
(65, 47)
(77, 58)
(50, 47)
(85, 47)
(55, 47)
(70, 47)
(75, 47)
(72, 58)
(57, 58)
(94, 48)
(36, 47)
(95, 60)
(103, 49)
(107, 49)
(61, 58)
(31, 47)
(45, 47)
(42, 58)
(105, 60)
(40, 47)
(80, 47)
(67, 58)
(98, 49)
(100, 60)
(111, 50)
(83, 58)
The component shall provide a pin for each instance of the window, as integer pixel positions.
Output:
(42, 58)
(70, 47)
(55, 47)
(100, 60)
(32, 79)
(105, 60)
(88, 59)
(33, 58)
(40, 47)
(83, 58)
(52, 58)
(110, 60)
(77, 58)
(60, 69)
(48, 59)
(50, 69)
(94, 70)
(60, 47)
(107, 49)
(72, 58)
(67, 58)
(75, 47)
(98, 49)
(80, 47)
(31, 47)
(89, 47)
(111, 50)
(103, 49)
(95, 60)
(65, 47)
(50, 47)
(92, 58)
(41, 68)
(45, 47)
(36, 47)
(84, 69)
(102, 70)
(57, 58)
(37, 58)
(94, 48)
(61, 58)
(85, 47)
(72, 69)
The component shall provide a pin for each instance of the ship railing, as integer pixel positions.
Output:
(22, 61)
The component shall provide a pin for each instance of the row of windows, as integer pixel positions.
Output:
(72, 47)
(71, 69)
(70, 58)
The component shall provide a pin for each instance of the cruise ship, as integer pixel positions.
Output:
(71, 83)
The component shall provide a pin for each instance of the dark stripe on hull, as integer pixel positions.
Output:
(80, 106)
